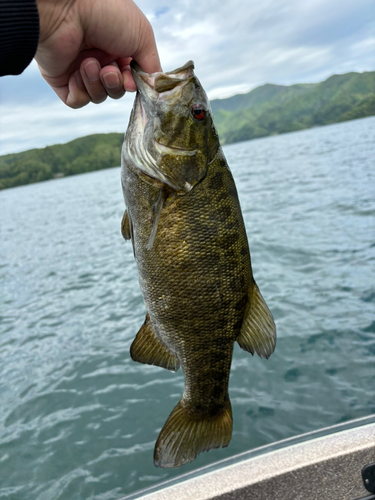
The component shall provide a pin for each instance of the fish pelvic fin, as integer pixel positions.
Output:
(148, 349)
(126, 226)
(258, 330)
(185, 435)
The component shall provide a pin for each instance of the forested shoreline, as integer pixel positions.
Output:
(266, 110)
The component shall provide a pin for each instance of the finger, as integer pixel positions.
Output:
(124, 62)
(90, 72)
(127, 77)
(128, 80)
(72, 91)
(112, 80)
(77, 96)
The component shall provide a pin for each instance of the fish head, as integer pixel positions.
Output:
(171, 136)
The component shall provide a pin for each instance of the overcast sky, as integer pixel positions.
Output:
(236, 45)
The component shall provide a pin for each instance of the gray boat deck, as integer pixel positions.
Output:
(321, 465)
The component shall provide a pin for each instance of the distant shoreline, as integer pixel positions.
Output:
(265, 111)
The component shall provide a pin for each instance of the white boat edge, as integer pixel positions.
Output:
(319, 465)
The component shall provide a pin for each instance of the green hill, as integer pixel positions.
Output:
(276, 109)
(267, 110)
(86, 154)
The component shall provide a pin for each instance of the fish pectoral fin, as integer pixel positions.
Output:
(258, 330)
(126, 226)
(148, 349)
(186, 434)
(127, 229)
(157, 208)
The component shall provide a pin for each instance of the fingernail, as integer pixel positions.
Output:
(92, 69)
(111, 80)
(79, 80)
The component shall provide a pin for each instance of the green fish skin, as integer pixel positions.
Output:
(185, 223)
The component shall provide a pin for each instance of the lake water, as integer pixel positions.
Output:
(79, 419)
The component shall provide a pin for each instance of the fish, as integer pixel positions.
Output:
(184, 220)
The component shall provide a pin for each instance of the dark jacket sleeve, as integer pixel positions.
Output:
(19, 35)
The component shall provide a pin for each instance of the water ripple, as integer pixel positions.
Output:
(79, 419)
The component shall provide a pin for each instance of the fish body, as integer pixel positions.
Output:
(190, 245)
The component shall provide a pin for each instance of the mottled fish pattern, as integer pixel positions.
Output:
(185, 223)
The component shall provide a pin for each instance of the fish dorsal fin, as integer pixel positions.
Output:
(258, 331)
(148, 349)
(126, 226)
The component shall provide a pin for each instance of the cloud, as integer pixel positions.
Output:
(38, 125)
(235, 45)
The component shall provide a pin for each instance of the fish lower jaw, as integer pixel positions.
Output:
(163, 149)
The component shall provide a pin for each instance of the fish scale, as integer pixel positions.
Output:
(185, 222)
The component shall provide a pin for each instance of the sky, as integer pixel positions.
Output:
(236, 45)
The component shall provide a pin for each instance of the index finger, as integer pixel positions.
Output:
(127, 77)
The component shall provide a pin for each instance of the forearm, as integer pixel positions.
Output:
(19, 35)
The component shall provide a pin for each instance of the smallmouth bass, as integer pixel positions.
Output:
(184, 220)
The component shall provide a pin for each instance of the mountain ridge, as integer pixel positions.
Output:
(295, 107)
(269, 109)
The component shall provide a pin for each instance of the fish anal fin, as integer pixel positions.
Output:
(126, 226)
(258, 331)
(148, 349)
(185, 435)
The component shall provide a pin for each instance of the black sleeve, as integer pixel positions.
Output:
(19, 35)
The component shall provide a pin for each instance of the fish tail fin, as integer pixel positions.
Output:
(185, 435)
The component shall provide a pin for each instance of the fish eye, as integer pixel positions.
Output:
(198, 111)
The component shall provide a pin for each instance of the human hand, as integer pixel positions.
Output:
(86, 46)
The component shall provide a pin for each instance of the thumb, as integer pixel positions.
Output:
(146, 55)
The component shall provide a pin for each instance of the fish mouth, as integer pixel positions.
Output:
(161, 82)
(144, 143)
(157, 86)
